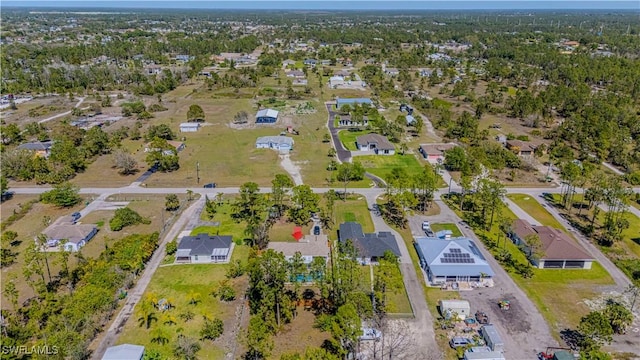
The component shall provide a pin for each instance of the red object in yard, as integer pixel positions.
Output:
(297, 233)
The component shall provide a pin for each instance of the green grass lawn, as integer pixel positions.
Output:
(348, 138)
(227, 225)
(352, 210)
(381, 166)
(175, 283)
(537, 211)
(447, 226)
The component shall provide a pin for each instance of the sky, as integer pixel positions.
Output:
(332, 4)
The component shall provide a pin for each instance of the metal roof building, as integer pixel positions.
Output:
(124, 352)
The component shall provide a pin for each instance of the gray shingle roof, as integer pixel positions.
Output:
(204, 244)
(38, 145)
(380, 141)
(368, 245)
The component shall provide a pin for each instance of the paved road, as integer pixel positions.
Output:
(61, 114)
(524, 330)
(187, 220)
(343, 154)
(422, 325)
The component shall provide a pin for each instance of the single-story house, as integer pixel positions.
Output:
(295, 74)
(410, 120)
(72, 236)
(325, 62)
(280, 143)
(300, 82)
(341, 101)
(124, 352)
(370, 246)
(178, 145)
(267, 116)
(370, 61)
(309, 247)
(189, 127)
(343, 73)
(153, 69)
(205, 248)
(335, 81)
(346, 120)
(452, 260)
(559, 251)
(392, 72)
(311, 62)
(460, 308)
(377, 143)
(184, 58)
(288, 62)
(41, 148)
(521, 148)
(435, 152)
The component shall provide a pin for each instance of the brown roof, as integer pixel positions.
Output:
(310, 245)
(556, 244)
(436, 149)
(522, 145)
(381, 141)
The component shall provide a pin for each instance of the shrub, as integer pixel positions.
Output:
(126, 217)
(212, 329)
(172, 247)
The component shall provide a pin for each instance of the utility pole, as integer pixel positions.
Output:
(198, 172)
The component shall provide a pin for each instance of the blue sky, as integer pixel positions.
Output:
(336, 4)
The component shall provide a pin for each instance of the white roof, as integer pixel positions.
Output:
(189, 124)
(267, 113)
(454, 304)
(124, 352)
(274, 139)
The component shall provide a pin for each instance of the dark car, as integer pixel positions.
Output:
(76, 216)
(210, 185)
(316, 230)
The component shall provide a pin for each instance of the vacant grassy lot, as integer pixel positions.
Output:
(348, 138)
(446, 226)
(227, 225)
(101, 173)
(298, 335)
(533, 208)
(179, 284)
(382, 165)
(352, 210)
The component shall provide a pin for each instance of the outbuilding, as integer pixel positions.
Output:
(492, 338)
(458, 308)
(267, 116)
(124, 352)
(189, 127)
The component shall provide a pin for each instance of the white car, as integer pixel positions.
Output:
(426, 225)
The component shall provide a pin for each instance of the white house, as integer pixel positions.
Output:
(376, 143)
(280, 143)
(189, 127)
(336, 81)
(205, 248)
(72, 236)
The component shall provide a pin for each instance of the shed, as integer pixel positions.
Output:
(124, 352)
(483, 355)
(459, 307)
(492, 338)
(267, 116)
(189, 127)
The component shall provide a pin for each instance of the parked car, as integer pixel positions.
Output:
(316, 230)
(426, 225)
(76, 216)
(459, 341)
(210, 185)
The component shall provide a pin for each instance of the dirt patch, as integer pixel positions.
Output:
(291, 168)
(298, 335)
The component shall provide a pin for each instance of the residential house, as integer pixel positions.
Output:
(183, 58)
(280, 143)
(300, 82)
(310, 63)
(343, 101)
(370, 247)
(153, 69)
(370, 61)
(71, 235)
(178, 145)
(295, 74)
(287, 63)
(376, 143)
(189, 127)
(325, 62)
(521, 148)
(309, 247)
(40, 148)
(346, 120)
(343, 73)
(205, 248)
(452, 260)
(558, 250)
(267, 116)
(124, 352)
(434, 153)
(392, 72)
